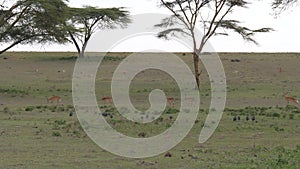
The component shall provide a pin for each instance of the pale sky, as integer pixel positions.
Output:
(285, 38)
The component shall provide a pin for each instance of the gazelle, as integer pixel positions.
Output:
(54, 98)
(292, 99)
(171, 101)
(107, 99)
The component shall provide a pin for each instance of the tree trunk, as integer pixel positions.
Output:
(76, 45)
(2, 52)
(196, 68)
(196, 55)
(81, 55)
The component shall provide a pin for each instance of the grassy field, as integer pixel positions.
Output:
(37, 134)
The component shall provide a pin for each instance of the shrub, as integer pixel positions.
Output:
(56, 134)
(172, 111)
(102, 107)
(202, 110)
(38, 107)
(30, 108)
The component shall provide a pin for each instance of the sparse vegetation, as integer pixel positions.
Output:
(60, 122)
(30, 126)
(13, 92)
(172, 111)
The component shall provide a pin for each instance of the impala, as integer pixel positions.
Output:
(171, 101)
(54, 98)
(292, 99)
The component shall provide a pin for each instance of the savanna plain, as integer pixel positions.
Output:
(38, 134)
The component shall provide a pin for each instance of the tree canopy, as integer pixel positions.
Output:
(88, 20)
(211, 16)
(281, 5)
(32, 21)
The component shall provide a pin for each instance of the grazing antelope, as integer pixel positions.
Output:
(53, 98)
(171, 101)
(107, 99)
(292, 99)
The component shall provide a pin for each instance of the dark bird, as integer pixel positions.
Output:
(71, 113)
(105, 114)
(168, 154)
(247, 118)
(234, 118)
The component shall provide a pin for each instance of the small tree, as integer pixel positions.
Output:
(32, 21)
(210, 15)
(88, 20)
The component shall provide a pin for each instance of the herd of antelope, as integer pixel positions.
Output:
(106, 100)
(170, 100)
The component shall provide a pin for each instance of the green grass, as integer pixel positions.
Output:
(37, 134)
(271, 142)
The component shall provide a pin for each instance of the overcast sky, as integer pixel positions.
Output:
(285, 38)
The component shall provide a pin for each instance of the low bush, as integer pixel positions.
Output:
(30, 108)
(56, 134)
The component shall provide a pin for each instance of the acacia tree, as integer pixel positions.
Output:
(210, 15)
(32, 21)
(282, 5)
(88, 20)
